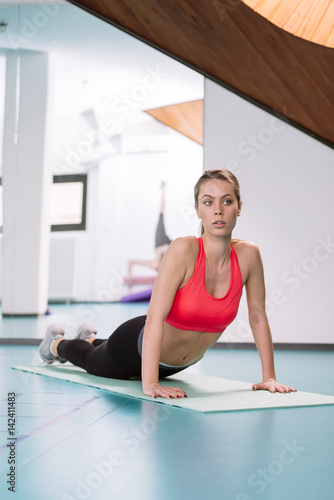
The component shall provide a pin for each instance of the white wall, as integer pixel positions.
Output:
(287, 181)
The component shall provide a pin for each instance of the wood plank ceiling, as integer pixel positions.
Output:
(236, 47)
(308, 19)
(185, 117)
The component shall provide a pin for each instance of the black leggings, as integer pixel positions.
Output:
(116, 357)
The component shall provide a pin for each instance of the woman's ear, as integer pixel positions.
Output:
(239, 210)
(197, 211)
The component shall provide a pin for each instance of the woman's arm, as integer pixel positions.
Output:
(172, 271)
(255, 290)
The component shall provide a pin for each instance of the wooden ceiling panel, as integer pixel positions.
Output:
(324, 32)
(309, 19)
(186, 118)
(230, 43)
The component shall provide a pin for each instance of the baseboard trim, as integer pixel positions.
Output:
(19, 341)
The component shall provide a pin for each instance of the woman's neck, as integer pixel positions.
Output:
(217, 250)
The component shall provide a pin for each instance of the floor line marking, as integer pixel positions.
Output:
(3, 476)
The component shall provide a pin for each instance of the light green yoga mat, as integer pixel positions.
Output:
(205, 393)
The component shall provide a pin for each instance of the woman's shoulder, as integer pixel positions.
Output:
(245, 249)
(184, 245)
(249, 257)
(180, 257)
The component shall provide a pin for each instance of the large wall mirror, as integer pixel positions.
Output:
(127, 118)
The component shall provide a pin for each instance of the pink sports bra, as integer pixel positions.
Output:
(195, 310)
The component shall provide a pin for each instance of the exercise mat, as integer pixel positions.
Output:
(205, 393)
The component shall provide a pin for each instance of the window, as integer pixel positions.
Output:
(68, 202)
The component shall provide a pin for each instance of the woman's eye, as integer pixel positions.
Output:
(208, 202)
(228, 202)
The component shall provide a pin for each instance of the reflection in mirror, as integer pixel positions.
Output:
(99, 83)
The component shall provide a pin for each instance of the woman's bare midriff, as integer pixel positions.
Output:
(183, 347)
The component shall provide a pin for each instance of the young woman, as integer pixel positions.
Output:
(195, 297)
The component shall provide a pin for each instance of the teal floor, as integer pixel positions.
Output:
(76, 442)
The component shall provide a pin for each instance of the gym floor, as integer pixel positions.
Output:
(77, 442)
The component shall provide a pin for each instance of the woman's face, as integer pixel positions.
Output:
(217, 207)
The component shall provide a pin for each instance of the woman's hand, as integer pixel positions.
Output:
(156, 390)
(273, 386)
